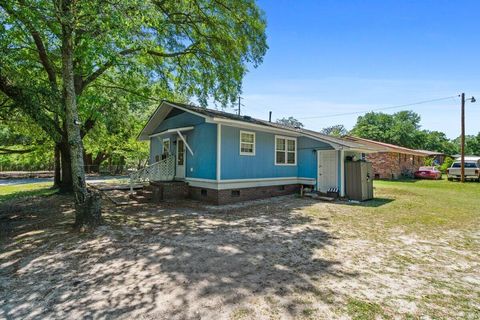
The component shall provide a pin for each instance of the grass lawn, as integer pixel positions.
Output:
(412, 253)
(9, 192)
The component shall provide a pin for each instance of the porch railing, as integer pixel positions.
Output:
(163, 170)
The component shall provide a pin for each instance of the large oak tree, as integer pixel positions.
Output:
(54, 52)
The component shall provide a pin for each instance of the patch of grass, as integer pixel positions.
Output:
(405, 260)
(362, 310)
(423, 207)
(308, 312)
(241, 313)
(26, 190)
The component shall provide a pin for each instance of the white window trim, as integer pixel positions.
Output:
(242, 153)
(286, 152)
(163, 145)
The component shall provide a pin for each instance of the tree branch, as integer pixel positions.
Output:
(15, 151)
(102, 69)
(42, 51)
(30, 108)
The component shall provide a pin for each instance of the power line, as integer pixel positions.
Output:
(379, 109)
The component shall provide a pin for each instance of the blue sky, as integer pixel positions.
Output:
(330, 57)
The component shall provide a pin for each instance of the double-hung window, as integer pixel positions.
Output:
(247, 143)
(285, 151)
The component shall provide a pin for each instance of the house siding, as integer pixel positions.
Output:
(261, 165)
(202, 140)
(307, 156)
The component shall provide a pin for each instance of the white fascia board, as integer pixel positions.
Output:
(246, 183)
(174, 130)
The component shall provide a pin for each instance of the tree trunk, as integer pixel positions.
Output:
(88, 161)
(93, 164)
(57, 178)
(87, 204)
(66, 184)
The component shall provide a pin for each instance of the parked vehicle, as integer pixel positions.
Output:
(472, 170)
(428, 173)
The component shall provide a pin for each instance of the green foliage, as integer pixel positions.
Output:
(428, 161)
(437, 141)
(23, 145)
(336, 130)
(128, 55)
(403, 129)
(290, 122)
(447, 163)
(472, 144)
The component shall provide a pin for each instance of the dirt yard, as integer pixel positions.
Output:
(397, 257)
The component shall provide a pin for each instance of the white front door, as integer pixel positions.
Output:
(180, 159)
(327, 170)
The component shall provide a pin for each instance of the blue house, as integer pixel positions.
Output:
(224, 158)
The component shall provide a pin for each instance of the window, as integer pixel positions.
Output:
(285, 151)
(235, 193)
(180, 152)
(166, 146)
(247, 143)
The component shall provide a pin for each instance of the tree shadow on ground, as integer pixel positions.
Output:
(402, 180)
(169, 261)
(373, 203)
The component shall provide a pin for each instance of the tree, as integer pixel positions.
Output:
(290, 122)
(401, 128)
(337, 130)
(54, 52)
(437, 141)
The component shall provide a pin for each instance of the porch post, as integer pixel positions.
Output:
(185, 141)
(219, 151)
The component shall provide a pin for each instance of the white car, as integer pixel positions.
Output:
(472, 170)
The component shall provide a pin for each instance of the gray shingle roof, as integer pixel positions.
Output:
(226, 115)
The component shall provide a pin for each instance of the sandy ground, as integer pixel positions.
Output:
(278, 259)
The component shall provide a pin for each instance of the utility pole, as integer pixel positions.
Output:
(462, 137)
(462, 143)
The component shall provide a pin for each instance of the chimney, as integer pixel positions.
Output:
(270, 116)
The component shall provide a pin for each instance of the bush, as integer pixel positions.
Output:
(447, 163)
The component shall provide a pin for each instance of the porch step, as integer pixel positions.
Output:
(140, 198)
(146, 193)
(317, 196)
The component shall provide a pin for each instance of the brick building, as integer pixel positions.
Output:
(394, 162)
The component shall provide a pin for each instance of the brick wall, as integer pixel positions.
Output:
(172, 190)
(243, 194)
(392, 165)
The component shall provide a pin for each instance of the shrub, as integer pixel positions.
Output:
(447, 163)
